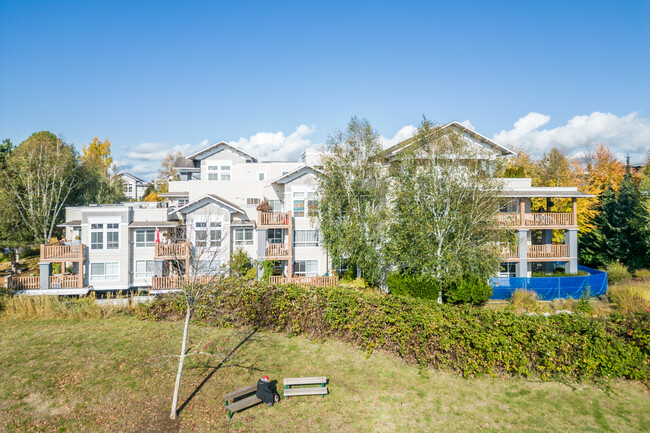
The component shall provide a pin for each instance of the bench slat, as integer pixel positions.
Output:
(316, 390)
(243, 403)
(305, 380)
(239, 392)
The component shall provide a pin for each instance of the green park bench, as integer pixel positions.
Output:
(305, 389)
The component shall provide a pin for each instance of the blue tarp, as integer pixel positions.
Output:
(549, 288)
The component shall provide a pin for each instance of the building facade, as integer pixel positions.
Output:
(134, 187)
(227, 200)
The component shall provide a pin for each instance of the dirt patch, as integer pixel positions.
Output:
(45, 407)
(159, 423)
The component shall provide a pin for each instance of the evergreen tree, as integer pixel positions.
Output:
(596, 246)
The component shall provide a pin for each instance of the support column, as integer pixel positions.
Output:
(571, 239)
(547, 239)
(522, 241)
(45, 269)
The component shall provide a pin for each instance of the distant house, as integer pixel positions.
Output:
(133, 186)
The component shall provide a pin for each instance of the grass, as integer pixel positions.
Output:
(105, 375)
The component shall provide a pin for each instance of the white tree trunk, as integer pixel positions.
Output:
(181, 360)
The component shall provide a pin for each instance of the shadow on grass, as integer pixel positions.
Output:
(214, 370)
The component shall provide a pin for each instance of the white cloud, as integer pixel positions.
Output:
(404, 133)
(277, 146)
(626, 135)
(144, 159)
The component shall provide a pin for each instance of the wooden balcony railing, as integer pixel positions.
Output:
(274, 218)
(177, 282)
(277, 250)
(509, 251)
(548, 251)
(62, 252)
(178, 250)
(306, 281)
(65, 282)
(542, 219)
(24, 283)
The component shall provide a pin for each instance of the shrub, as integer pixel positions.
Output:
(583, 305)
(240, 263)
(468, 290)
(643, 274)
(617, 272)
(524, 301)
(471, 341)
(414, 285)
(630, 298)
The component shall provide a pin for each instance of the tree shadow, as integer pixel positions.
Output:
(214, 370)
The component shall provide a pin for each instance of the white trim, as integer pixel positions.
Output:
(214, 146)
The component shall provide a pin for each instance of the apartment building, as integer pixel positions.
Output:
(214, 209)
(134, 187)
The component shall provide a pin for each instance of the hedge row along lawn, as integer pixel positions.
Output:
(470, 341)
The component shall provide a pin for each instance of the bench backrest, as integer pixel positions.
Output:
(240, 392)
(305, 380)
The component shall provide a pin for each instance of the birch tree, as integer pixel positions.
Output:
(40, 176)
(444, 201)
(197, 278)
(352, 208)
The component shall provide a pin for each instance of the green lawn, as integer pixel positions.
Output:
(103, 375)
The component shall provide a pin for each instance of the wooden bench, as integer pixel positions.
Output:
(309, 390)
(233, 406)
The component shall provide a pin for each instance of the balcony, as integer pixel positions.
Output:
(66, 282)
(178, 250)
(23, 283)
(278, 251)
(542, 220)
(543, 253)
(274, 219)
(62, 253)
(306, 281)
(176, 282)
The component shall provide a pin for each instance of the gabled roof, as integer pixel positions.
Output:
(125, 174)
(504, 151)
(208, 150)
(233, 208)
(298, 172)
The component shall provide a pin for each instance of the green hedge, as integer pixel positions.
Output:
(469, 340)
(418, 286)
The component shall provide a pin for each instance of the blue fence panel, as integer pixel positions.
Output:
(549, 288)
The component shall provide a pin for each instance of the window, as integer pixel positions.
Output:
(145, 269)
(225, 172)
(207, 235)
(183, 201)
(105, 236)
(312, 204)
(128, 188)
(274, 236)
(104, 271)
(208, 267)
(276, 205)
(97, 236)
(305, 268)
(508, 269)
(260, 176)
(112, 236)
(252, 202)
(509, 207)
(219, 172)
(145, 238)
(243, 236)
(298, 204)
(306, 238)
(201, 234)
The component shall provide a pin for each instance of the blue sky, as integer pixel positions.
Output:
(276, 77)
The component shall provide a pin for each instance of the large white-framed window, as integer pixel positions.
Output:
(104, 236)
(299, 204)
(243, 236)
(208, 267)
(312, 204)
(274, 236)
(275, 205)
(306, 238)
(305, 268)
(145, 238)
(145, 269)
(105, 271)
(219, 170)
(207, 234)
(305, 203)
(252, 202)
